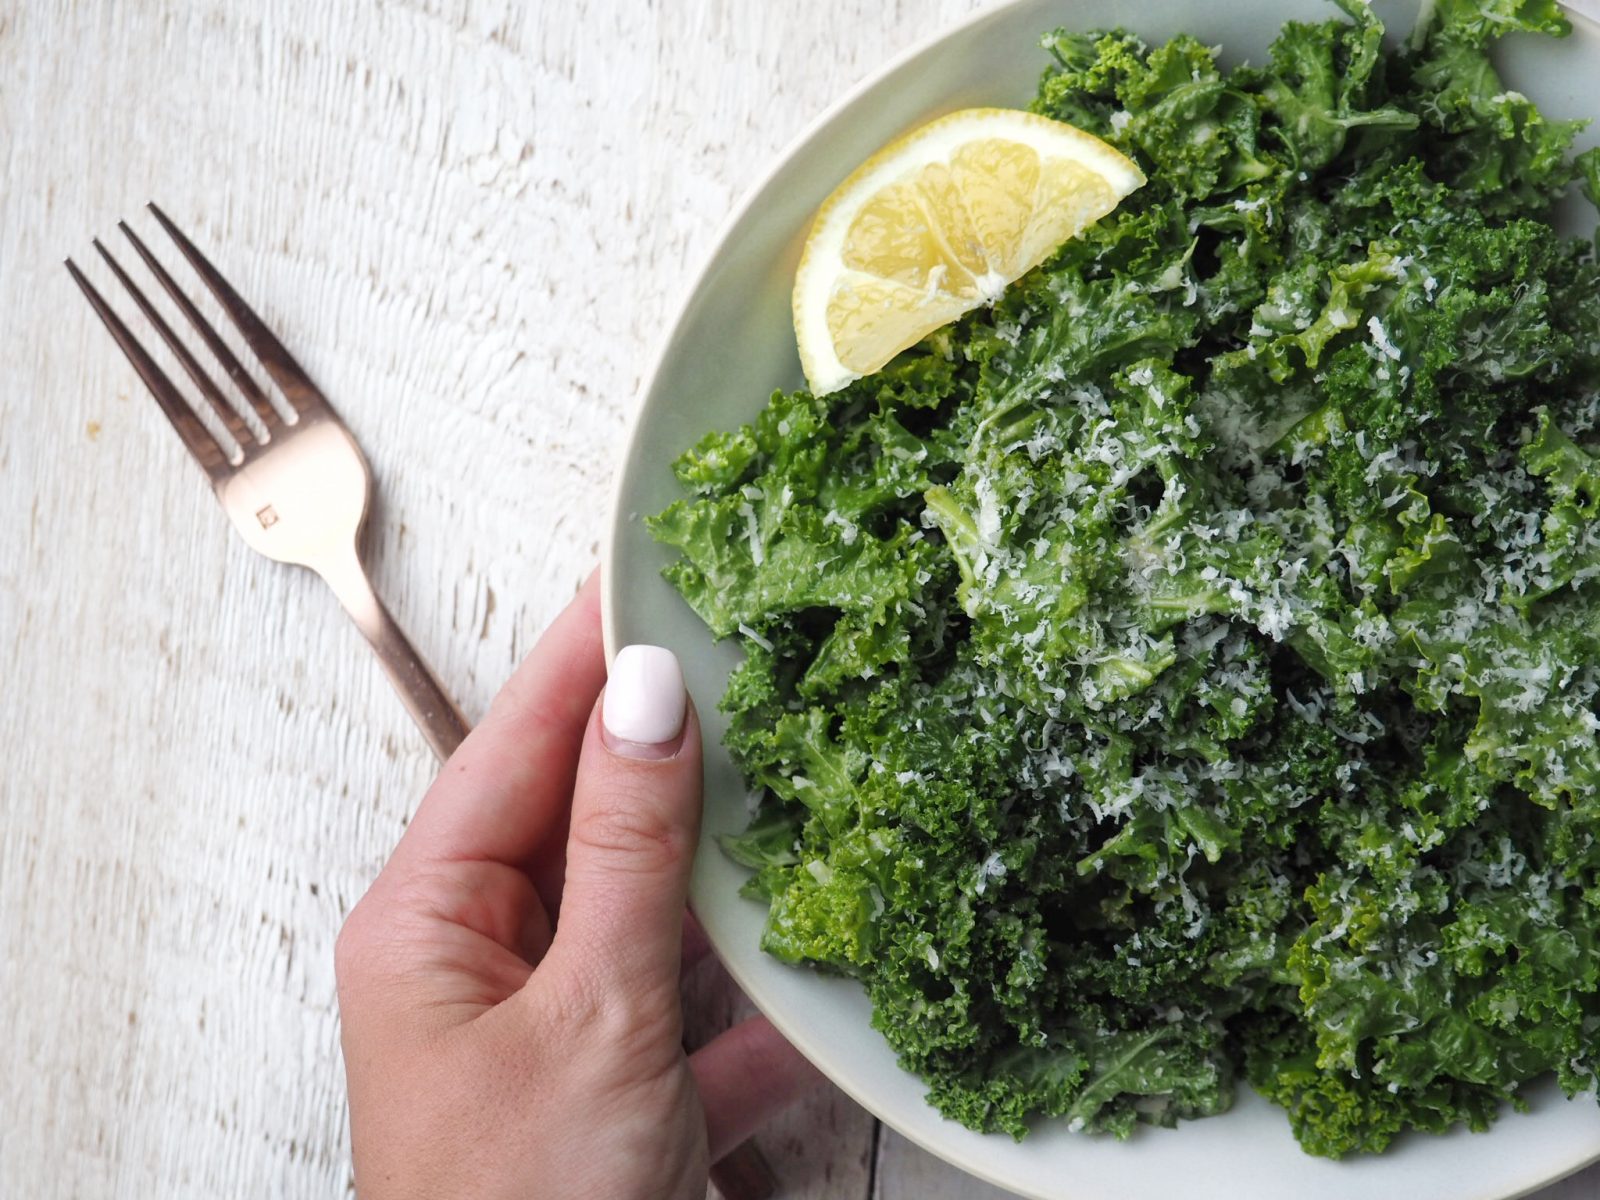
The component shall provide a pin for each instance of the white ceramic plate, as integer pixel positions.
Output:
(730, 346)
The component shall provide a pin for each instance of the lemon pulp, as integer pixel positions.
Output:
(938, 223)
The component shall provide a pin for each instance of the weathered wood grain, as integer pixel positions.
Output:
(823, 1146)
(906, 1172)
(470, 219)
(1583, 1186)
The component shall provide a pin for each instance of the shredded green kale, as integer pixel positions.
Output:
(1188, 670)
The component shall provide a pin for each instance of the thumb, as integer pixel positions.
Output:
(635, 821)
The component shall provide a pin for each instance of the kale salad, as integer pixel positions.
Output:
(1186, 670)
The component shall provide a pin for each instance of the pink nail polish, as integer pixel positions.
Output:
(644, 704)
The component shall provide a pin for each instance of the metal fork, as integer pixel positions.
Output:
(299, 491)
(299, 494)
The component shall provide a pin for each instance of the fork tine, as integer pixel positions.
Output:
(291, 379)
(191, 432)
(219, 403)
(242, 379)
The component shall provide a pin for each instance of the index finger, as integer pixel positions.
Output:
(505, 793)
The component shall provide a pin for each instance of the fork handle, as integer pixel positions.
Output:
(743, 1173)
(435, 713)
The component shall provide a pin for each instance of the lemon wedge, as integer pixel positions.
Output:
(936, 224)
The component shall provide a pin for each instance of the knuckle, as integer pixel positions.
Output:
(531, 708)
(628, 826)
(459, 896)
(369, 945)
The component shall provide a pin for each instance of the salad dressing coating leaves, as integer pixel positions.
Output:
(1188, 669)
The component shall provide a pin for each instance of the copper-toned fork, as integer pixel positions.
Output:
(297, 489)
(299, 494)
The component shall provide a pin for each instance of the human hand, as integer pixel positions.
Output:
(509, 986)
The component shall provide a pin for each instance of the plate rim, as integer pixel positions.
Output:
(680, 312)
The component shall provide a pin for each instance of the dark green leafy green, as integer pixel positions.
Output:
(1188, 669)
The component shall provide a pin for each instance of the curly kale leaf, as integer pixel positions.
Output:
(1187, 669)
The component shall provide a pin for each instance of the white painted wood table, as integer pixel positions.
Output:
(470, 219)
